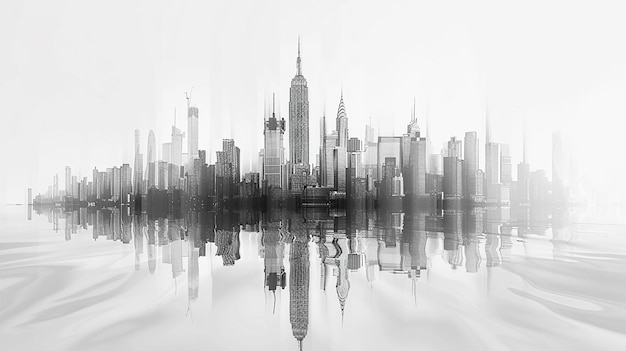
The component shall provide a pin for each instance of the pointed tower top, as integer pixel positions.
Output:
(341, 112)
(413, 118)
(524, 139)
(487, 126)
(298, 60)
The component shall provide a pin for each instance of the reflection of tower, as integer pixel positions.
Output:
(343, 284)
(473, 228)
(151, 246)
(176, 248)
(273, 255)
(299, 287)
(138, 240)
(193, 273)
(227, 239)
(453, 236)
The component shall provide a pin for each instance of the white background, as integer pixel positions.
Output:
(77, 77)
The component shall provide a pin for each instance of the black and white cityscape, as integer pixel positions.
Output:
(365, 230)
(379, 172)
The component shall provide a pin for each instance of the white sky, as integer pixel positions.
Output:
(77, 78)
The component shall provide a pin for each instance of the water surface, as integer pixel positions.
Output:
(496, 279)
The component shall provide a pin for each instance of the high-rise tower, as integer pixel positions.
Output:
(342, 123)
(299, 117)
(192, 129)
(273, 155)
(151, 160)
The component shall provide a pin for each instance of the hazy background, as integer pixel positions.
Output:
(77, 78)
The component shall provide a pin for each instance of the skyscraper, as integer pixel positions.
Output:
(340, 163)
(126, 180)
(177, 146)
(492, 188)
(328, 175)
(273, 151)
(371, 154)
(342, 124)
(299, 117)
(322, 152)
(232, 155)
(453, 170)
(416, 177)
(166, 153)
(506, 169)
(192, 130)
(68, 181)
(470, 166)
(138, 176)
(388, 147)
(55, 186)
(151, 160)
(176, 157)
(523, 176)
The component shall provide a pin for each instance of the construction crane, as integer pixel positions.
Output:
(188, 97)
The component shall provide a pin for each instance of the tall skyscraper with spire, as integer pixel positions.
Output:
(342, 123)
(299, 117)
(192, 130)
(273, 151)
(151, 160)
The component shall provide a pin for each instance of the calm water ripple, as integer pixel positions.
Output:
(486, 279)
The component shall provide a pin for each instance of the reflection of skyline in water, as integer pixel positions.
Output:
(369, 243)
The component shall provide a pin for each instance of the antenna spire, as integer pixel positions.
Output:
(298, 60)
(524, 140)
(188, 97)
(487, 127)
(273, 105)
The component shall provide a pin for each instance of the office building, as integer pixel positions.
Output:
(273, 151)
(470, 165)
(192, 131)
(299, 117)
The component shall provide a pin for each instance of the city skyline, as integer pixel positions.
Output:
(329, 175)
(435, 63)
(393, 167)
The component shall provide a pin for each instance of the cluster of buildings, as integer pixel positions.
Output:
(347, 172)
